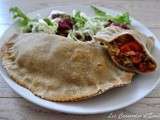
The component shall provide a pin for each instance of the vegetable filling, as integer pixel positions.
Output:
(130, 54)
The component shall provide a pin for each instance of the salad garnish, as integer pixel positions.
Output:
(76, 26)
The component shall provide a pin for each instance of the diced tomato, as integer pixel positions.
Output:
(134, 51)
(135, 46)
(142, 67)
(130, 46)
(125, 48)
(136, 59)
(131, 53)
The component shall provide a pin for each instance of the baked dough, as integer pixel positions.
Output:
(58, 69)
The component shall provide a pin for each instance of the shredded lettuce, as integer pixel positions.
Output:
(48, 21)
(83, 25)
(94, 25)
(72, 35)
(98, 12)
(28, 24)
(79, 19)
(20, 16)
(101, 15)
(23, 21)
(45, 25)
(120, 19)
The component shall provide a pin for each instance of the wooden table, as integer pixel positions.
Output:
(14, 107)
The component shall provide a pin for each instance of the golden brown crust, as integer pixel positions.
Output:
(94, 83)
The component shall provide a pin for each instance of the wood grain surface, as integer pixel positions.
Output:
(14, 107)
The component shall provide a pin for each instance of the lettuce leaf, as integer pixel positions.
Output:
(18, 15)
(79, 20)
(98, 12)
(21, 19)
(27, 24)
(120, 19)
(48, 21)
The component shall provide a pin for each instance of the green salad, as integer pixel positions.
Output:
(76, 26)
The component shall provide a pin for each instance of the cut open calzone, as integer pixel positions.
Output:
(59, 69)
(129, 49)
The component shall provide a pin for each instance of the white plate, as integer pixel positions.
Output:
(112, 100)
